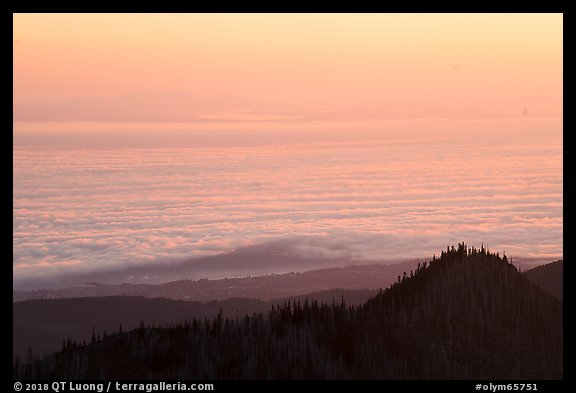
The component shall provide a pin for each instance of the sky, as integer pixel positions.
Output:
(154, 139)
(314, 67)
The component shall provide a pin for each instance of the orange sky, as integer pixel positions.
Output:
(294, 66)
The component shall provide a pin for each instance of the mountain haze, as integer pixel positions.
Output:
(265, 287)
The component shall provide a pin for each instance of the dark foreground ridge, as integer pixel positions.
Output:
(39, 326)
(466, 315)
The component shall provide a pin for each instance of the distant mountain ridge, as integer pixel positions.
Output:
(466, 315)
(266, 287)
(549, 277)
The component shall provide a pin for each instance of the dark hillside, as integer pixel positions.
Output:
(466, 315)
(41, 325)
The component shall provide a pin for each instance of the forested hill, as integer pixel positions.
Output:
(468, 314)
(40, 325)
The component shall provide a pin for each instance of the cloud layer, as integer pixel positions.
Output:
(88, 210)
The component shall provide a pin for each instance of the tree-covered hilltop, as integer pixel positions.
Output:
(468, 314)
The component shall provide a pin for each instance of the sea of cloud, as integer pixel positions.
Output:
(90, 209)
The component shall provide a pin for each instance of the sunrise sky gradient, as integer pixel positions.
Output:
(311, 66)
(146, 138)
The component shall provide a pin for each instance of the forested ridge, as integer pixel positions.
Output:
(468, 314)
(40, 325)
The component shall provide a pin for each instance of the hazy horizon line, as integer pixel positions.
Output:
(199, 266)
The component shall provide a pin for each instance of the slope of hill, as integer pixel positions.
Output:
(42, 325)
(467, 315)
(549, 277)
